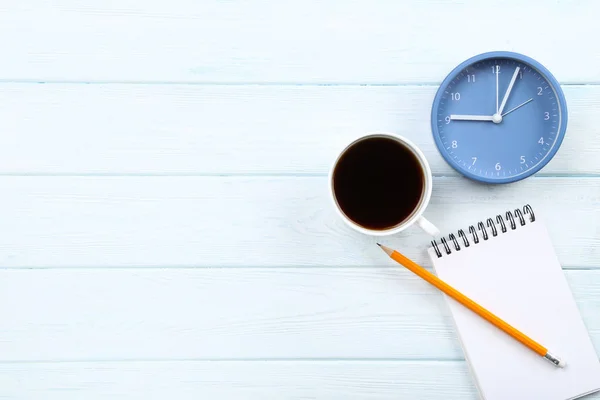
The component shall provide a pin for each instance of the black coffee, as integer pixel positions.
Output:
(378, 182)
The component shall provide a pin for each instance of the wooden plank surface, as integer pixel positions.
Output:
(208, 263)
(339, 380)
(238, 380)
(200, 129)
(255, 221)
(301, 41)
(253, 313)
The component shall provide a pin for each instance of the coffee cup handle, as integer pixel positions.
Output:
(428, 227)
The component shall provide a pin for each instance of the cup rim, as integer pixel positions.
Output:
(415, 215)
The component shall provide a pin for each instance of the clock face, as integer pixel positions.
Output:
(499, 117)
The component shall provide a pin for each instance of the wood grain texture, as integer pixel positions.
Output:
(255, 221)
(237, 380)
(200, 129)
(300, 41)
(257, 313)
(248, 286)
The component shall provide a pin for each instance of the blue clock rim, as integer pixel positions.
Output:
(500, 54)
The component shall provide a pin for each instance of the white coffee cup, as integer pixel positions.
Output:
(417, 214)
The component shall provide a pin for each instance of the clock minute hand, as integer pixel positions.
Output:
(497, 70)
(510, 86)
(457, 117)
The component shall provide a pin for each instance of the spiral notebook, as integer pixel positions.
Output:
(508, 265)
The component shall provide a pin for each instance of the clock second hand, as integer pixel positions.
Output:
(466, 117)
(514, 108)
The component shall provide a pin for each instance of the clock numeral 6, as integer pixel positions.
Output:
(455, 96)
(522, 159)
(454, 144)
(546, 116)
(498, 167)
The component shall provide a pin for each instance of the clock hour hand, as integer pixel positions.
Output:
(510, 86)
(457, 117)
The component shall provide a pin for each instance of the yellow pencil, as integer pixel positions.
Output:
(473, 306)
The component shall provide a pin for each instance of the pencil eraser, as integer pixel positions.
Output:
(562, 363)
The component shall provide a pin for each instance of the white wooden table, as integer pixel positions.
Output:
(165, 226)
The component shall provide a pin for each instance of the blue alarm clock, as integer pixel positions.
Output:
(499, 117)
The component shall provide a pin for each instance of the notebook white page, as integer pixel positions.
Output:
(517, 276)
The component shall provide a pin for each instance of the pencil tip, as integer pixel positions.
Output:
(386, 249)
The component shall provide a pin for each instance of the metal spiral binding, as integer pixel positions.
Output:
(509, 220)
(462, 234)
